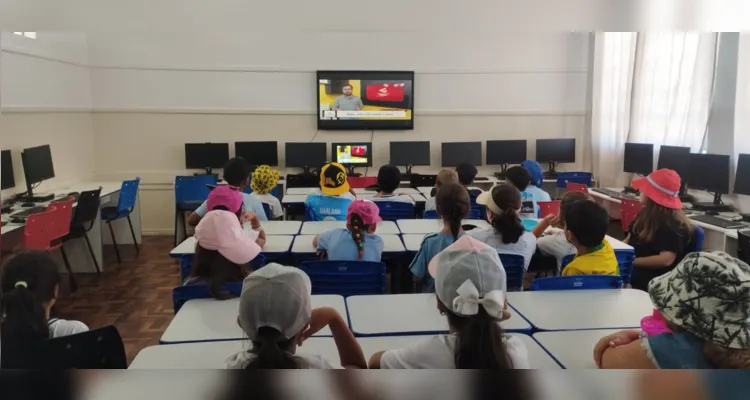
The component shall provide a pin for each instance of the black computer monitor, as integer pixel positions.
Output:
(639, 158)
(554, 151)
(305, 155)
(258, 153)
(504, 152)
(410, 153)
(709, 172)
(206, 155)
(8, 179)
(742, 177)
(676, 158)
(352, 155)
(37, 166)
(457, 153)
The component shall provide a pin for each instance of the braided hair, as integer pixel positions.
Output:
(359, 230)
(452, 203)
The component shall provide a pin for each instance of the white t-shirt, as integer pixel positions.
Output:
(273, 202)
(554, 243)
(62, 327)
(430, 204)
(439, 353)
(318, 192)
(240, 359)
(526, 245)
(401, 198)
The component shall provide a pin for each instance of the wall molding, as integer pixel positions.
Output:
(10, 49)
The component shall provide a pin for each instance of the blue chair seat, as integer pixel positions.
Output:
(125, 206)
(514, 271)
(112, 213)
(186, 264)
(345, 278)
(395, 210)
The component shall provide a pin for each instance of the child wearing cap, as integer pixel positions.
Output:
(443, 177)
(507, 234)
(389, 178)
(551, 229)
(661, 233)
(264, 180)
(229, 198)
(537, 179)
(705, 304)
(330, 202)
(471, 290)
(276, 315)
(237, 175)
(586, 224)
(519, 177)
(358, 241)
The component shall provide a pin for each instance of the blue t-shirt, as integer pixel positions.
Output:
(539, 194)
(250, 203)
(339, 245)
(326, 208)
(432, 244)
(680, 350)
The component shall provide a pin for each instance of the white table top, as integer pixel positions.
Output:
(391, 244)
(582, 309)
(394, 314)
(412, 241)
(426, 190)
(425, 226)
(605, 197)
(293, 199)
(317, 227)
(305, 191)
(417, 197)
(573, 349)
(210, 320)
(274, 244)
(617, 244)
(280, 227)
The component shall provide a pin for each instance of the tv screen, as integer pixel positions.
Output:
(365, 100)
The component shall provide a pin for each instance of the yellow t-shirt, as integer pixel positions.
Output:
(600, 262)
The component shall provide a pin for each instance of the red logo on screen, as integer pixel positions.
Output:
(386, 92)
(359, 151)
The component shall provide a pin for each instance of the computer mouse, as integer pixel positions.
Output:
(17, 220)
(712, 212)
(28, 205)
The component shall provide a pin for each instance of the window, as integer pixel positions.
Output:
(30, 35)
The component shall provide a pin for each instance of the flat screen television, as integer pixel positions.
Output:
(352, 100)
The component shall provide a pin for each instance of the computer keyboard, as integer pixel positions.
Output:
(720, 222)
(25, 213)
(481, 178)
(608, 192)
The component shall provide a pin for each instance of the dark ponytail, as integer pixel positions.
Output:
(215, 270)
(271, 352)
(28, 281)
(359, 230)
(452, 204)
(507, 223)
(480, 343)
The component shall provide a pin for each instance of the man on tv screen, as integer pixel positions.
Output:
(347, 101)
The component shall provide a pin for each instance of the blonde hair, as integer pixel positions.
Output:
(446, 176)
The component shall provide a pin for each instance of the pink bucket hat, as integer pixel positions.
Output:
(366, 209)
(226, 196)
(662, 187)
(221, 230)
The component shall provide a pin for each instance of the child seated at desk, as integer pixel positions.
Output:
(466, 174)
(452, 207)
(275, 313)
(389, 177)
(704, 304)
(520, 178)
(443, 177)
(358, 240)
(586, 224)
(330, 202)
(264, 180)
(550, 231)
(30, 284)
(470, 283)
(537, 179)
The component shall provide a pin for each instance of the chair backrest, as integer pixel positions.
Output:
(345, 278)
(44, 231)
(577, 282)
(361, 182)
(629, 209)
(624, 258)
(477, 212)
(87, 208)
(514, 271)
(548, 208)
(186, 264)
(267, 210)
(744, 246)
(583, 178)
(395, 210)
(181, 294)
(128, 195)
(576, 187)
(193, 189)
(96, 349)
(62, 214)
(432, 214)
(696, 242)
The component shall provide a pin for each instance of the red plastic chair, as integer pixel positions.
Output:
(548, 207)
(629, 209)
(44, 232)
(576, 187)
(361, 182)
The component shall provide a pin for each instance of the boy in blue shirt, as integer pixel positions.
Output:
(537, 178)
(519, 177)
(331, 202)
(358, 241)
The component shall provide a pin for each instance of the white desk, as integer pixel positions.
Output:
(412, 241)
(290, 199)
(213, 355)
(418, 198)
(425, 226)
(303, 244)
(275, 244)
(427, 190)
(582, 309)
(205, 320)
(318, 227)
(394, 314)
(573, 349)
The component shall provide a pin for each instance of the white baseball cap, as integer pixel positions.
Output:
(469, 274)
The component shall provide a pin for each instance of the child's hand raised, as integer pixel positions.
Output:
(319, 319)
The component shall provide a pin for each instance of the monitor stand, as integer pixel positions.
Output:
(503, 169)
(684, 196)
(717, 205)
(30, 197)
(350, 171)
(305, 172)
(551, 174)
(206, 171)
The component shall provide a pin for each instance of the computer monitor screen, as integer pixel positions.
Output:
(742, 178)
(675, 158)
(457, 153)
(258, 153)
(410, 153)
(206, 155)
(8, 179)
(302, 155)
(37, 164)
(556, 150)
(353, 154)
(639, 158)
(501, 152)
(709, 172)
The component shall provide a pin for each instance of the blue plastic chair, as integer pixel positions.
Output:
(186, 264)
(514, 271)
(696, 243)
(125, 206)
(267, 209)
(182, 294)
(345, 278)
(583, 178)
(189, 193)
(477, 212)
(577, 282)
(395, 210)
(431, 214)
(625, 260)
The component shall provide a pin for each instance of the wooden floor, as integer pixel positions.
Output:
(135, 296)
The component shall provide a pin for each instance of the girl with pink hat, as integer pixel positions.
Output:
(661, 233)
(358, 241)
